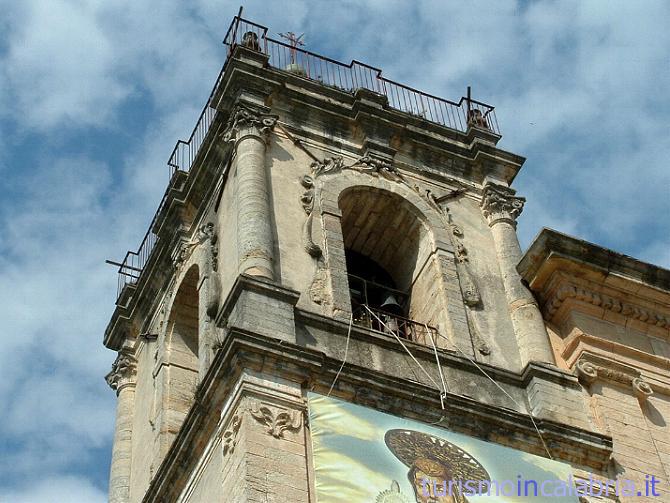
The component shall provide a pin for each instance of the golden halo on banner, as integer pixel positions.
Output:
(434, 456)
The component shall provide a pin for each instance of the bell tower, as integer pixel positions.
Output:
(327, 231)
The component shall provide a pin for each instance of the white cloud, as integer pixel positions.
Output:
(60, 66)
(56, 490)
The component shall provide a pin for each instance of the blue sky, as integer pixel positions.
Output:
(94, 94)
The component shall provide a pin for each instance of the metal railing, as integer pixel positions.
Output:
(393, 325)
(456, 115)
(329, 72)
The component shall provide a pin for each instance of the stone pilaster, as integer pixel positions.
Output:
(209, 295)
(122, 379)
(501, 208)
(249, 129)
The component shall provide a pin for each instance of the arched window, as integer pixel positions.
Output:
(392, 277)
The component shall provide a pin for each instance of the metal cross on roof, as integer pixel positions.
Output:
(293, 41)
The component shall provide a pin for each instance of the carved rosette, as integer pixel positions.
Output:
(500, 204)
(276, 421)
(124, 370)
(246, 121)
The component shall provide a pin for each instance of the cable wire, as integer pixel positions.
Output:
(346, 352)
(530, 414)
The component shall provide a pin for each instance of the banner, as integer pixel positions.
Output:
(362, 455)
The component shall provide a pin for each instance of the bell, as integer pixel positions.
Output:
(391, 304)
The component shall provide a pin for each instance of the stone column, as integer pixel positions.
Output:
(122, 379)
(249, 129)
(501, 208)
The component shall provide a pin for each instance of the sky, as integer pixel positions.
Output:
(94, 95)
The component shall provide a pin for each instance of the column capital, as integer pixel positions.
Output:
(246, 120)
(499, 203)
(123, 373)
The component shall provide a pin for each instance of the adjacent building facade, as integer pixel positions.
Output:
(335, 265)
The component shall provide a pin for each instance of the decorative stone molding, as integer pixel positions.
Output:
(329, 164)
(641, 388)
(591, 367)
(124, 370)
(499, 203)
(469, 288)
(276, 421)
(377, 166)
(568, 291)
(229, 439)
(317, 289)
(369, 164)
(587, 373)
(307, 200)
(245, 120)
(205, 233)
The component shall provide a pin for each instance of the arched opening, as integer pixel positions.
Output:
(184, 322)
(182, 340)
(388, 251)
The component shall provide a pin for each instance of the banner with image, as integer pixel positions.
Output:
(362, 455)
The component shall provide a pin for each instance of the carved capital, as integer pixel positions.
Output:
(246, 121)
(124, 370)
(276, 421)
(500, 204)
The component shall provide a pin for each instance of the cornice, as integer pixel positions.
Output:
(552, 249)
(568, 290)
